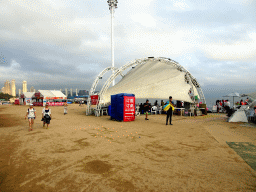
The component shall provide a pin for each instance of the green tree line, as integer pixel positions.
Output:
(5, 96)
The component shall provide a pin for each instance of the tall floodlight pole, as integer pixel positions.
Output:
(112, 6)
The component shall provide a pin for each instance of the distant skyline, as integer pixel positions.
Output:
(58, 44)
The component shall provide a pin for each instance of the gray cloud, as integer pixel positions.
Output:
(68, 44)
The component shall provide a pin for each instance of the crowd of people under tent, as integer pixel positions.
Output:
(223, 104)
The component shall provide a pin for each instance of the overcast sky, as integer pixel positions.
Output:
(55, 44)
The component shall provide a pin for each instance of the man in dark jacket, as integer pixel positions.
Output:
(169, 112)
(146, 108)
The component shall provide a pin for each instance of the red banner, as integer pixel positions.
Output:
(94, 99)
(55, 103)
(129, 108)
(22, 96)
(38, 103)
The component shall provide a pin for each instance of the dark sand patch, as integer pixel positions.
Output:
(8, 120)
(81, 142)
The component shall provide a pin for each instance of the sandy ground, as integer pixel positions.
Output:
(92, 154)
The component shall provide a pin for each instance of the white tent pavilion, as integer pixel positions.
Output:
(153, 80)
(26, 97)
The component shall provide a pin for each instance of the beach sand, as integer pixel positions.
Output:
(80, 153)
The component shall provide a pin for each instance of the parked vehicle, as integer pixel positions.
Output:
(5, 103)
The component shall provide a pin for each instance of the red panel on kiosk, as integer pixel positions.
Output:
(129, 108)
(94, 99)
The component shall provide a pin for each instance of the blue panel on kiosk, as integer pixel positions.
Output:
(119, 109)
(113, 106)
(117, 106)
(109, 110)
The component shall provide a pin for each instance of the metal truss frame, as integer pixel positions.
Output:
(94, 85)
(188, 78)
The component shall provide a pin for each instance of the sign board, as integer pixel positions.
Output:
(37, 94)
(129, 108)
(94, 99)
(28, 101)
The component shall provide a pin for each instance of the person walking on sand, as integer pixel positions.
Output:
(31, 114)
(170, 111)
(146, 108)
(65, 108)
(46, 116)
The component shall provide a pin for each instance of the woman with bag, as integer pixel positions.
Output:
(46, 116)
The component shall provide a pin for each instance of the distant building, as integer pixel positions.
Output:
(71, 92)
(83, 92)
(2, 89)
(7, 88)
(24, 87)
(19, 92)
(32, 89)
(13, 88)
(66, 92)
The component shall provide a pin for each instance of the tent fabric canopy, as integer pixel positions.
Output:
(153, 80)
(58, 94)
(28, 94)
(49, 93)
(235, 94)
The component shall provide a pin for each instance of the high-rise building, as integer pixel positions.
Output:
(13, 89)
(19, 92)
(76, 92)
(71, 92)
(2, 90)
(66, 91)
(7, 87)
(24, 87)
(32, 89)
(60, 90)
